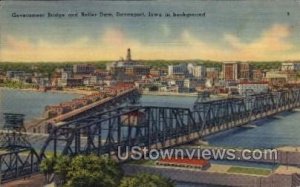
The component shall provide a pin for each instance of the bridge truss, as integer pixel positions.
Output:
(17, 157)
(162, 127)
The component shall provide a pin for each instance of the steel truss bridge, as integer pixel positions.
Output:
(163, 127)
(17, 157)
(105, 132)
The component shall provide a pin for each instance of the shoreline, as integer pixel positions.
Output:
(66, 91)
(194, 94)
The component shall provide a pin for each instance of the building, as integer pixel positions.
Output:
(290, 66)
(13, 74)
(66, 75)
(276, 78)
(252, 88)
(244, 71)
(190, 84)
(180, 69)
(236, 71)
(127, 67)
(2, 78)
(258, 75)
(190, 68)
(72, 82)
(156, 72)
(230, 71)
(136, 70)
(199, 71)
(44, 82)
(212, 73)
(83, 68)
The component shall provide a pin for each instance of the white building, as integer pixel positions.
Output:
(290, 66)
(180, 69)
(190, 68)
(259, 87)
(66, 75)
(199, 71)
(276, 74)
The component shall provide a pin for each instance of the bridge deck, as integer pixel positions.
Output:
(41, 125)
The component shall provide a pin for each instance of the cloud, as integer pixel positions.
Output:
(272, 44)
(273, 41)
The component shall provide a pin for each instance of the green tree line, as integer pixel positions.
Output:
(95, 171)
(49, 67)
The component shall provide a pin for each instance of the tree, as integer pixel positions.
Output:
(61, 168)
(47, 167)
(93, 171)
(146, 180)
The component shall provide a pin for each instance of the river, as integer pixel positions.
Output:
(30, 103)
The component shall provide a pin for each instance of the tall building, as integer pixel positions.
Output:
(190, 68)
(244, 71)
(230, 70)
(235, 71)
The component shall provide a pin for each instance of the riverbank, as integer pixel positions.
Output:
(65, 91)
(194, 94)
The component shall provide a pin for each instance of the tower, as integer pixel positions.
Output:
(128, 57)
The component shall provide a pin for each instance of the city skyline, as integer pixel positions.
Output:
(239, 31)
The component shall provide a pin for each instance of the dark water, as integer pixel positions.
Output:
(281, 130)
(30, 103)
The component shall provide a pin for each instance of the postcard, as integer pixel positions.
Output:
(150, 93)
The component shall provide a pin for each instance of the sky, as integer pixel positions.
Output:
(246, 30)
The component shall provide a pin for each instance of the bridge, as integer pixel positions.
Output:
(163, 127)
(17, 156)
(123, 95)
(105, 132)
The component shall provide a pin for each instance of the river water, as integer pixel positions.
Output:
(30, 103)
(281, 130)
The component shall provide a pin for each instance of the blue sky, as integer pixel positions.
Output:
(231, 30)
